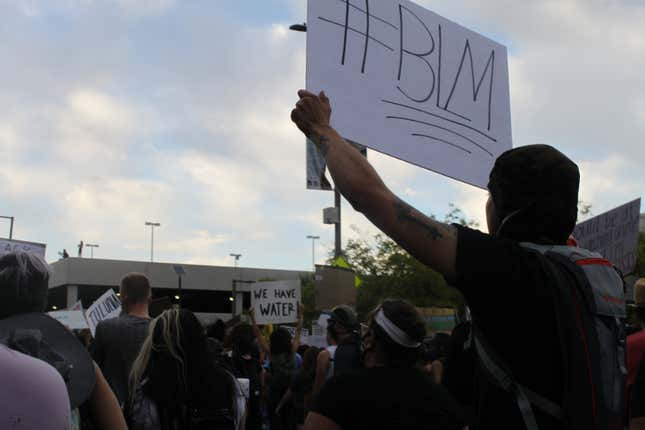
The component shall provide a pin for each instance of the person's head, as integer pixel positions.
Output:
(242, 340)
(24, 280)
(280, 341)
(639, 300)
(393, 336)
(309, 359)
(174, 358)
(135, 291)
(217, 330)
(533, 195)
(342, 322)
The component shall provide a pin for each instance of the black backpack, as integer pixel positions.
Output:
(591, 328)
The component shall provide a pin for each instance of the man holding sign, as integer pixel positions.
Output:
(533, 198)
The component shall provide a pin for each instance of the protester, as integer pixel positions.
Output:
(243, 360)
(300, 391)
(117, 340)
(174, 383)
(24, 282)
(343, 353)
(391, 392)
(216, 333)
(282, 365)
(436, 355)
(533, 198)
(636, 341)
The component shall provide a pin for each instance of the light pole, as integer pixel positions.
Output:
(337, 238)
(10, 226)
(313, 251)
(234, 289)
(91, 246)
(152, 238)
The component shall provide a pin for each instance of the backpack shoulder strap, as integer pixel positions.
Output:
(501, 375)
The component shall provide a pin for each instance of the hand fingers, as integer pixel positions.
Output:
(323, 98)
(305, 93)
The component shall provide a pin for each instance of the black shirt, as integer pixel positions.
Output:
(387, 398)
(637, 396)
(506, 287)
(117, 342)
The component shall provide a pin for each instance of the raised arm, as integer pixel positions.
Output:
(295, 342)
(431, 242)
(262, 342)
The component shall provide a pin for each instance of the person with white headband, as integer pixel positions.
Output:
(391, 391)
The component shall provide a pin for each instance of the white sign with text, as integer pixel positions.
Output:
(105, 307)
(74, 320)
(8, 246)
(276, 302)
(411, 84)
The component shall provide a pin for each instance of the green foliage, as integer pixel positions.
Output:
(388, 271)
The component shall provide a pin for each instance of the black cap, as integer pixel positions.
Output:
(344, 315)
(540, 183)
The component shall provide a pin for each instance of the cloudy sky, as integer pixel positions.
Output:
(117, 112)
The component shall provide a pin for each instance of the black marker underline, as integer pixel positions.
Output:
(355, 31)
(440, 117)
(442, 128)
(444, 141)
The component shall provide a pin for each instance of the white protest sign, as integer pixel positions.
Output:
(78, 306)
(276, 302)
(411, 84)
(105, 307)
(613, 234)
(7, 246)
(75, 320)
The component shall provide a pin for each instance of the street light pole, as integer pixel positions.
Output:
(313, 251)
(91, 246)
(234, 287)
(152, 237)
(10, 225)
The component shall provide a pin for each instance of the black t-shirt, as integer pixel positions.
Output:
(506, 287)
(637, 396)
(387, 398)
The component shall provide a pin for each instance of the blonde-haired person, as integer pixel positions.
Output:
(175, 384)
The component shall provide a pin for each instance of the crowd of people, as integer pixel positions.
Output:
(546, 347)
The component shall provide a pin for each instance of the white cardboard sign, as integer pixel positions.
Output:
(613, 234)
(411, 84)
(75, 320)
(7, 246)
(105, 307)
(276, 302)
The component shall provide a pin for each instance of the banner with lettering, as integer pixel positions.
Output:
(276, 302)
(105, 307)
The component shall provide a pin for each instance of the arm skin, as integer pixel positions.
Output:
(322, 366)
(262, 342)
(431, 242)
(315, 421)
(104, 407)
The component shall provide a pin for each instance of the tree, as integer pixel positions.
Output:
(388, 271)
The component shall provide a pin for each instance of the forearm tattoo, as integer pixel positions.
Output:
(323, 144)
(407, 213)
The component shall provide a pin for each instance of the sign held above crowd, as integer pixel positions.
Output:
(613, 234)
(276, 302)
(7, 246)
(411, 84)
(105, 307)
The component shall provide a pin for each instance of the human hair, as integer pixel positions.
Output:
(242, 339)
(280, 341)
(175, 370)
(135, 288)
(535, 192)
(24, 281)
(309, 359)
(407, 319)
(217, 330)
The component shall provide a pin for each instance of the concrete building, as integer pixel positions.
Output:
(206, 290)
